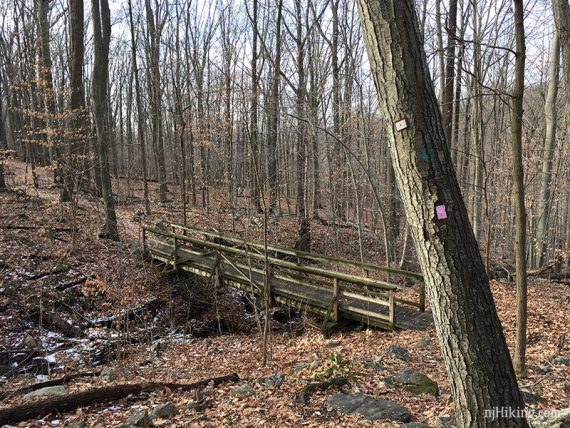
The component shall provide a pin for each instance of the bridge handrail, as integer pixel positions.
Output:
(305, 254)
(278, 262)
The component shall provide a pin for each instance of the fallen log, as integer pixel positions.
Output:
(71, 402)
(151, 306)
(54, 382)
(55, 229)
(61, 286)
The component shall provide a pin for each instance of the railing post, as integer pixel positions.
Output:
(391, 309)
(422, 297)
(175, 253)
(335, 299)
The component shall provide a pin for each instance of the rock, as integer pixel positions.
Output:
(445, 422)
(111, 374)
(555, 419)
(543, 369)
(302, 366)
(139, 419)
(369, 407)
(273, 381)
(561, 361)
(49, 391)
(244, 390)
(399, 352)
(196, 406)
(530, 398)
(374, 363)
(333, 344)
(164, 411)
(416, 425)
(425, 341)
(77, 424)
(30, 342)
(414, 382)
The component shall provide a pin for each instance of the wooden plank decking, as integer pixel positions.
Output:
(295, 280)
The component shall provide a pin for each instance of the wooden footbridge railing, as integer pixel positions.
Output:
(312, 282)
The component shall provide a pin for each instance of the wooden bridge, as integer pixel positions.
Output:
(322, 285)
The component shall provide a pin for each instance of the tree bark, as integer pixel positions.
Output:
(140, 118)
(301, 110)
(447, 101)
(472, 341)
(561, 10)
(273, 132)
(545, 195)
(78, 122)
(518, 187)
(101, 40)
(155, 95)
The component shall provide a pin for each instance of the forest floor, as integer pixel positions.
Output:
(174, 338)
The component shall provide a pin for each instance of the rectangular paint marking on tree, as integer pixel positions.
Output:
(401, 124)
(441, 212)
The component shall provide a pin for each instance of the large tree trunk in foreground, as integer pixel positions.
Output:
(474, 349)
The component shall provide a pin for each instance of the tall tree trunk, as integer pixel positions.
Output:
(273, 132)
(545, 204)
(155, 30)
(255, 178)
(518, 187)
(45, 83)
(78, 138)
(447, 101)
(561, 10)
(3, 141)
(300, 110)
(101, 39)
(140, 118)
(473, 345)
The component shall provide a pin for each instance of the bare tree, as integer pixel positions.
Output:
(518, 187)
(100, 77)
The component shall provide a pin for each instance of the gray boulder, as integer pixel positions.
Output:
(244, 390)
(139, 419)
(414, 382)
(561, 361)
(273, 381)
(445, 422)
(49, 391)
(166, 410)
(371, 408)
(398, 352)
